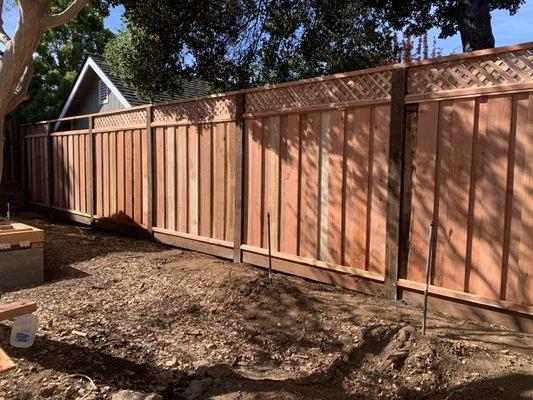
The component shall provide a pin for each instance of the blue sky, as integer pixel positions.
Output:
(507, 29)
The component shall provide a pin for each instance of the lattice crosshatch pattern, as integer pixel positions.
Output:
(37, 129)
(200, 110)
(372, 86)
(493, 70)
(119, 120)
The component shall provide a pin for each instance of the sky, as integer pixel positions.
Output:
(507, 29)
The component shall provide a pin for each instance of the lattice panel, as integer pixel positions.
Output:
(492, 70)
(37, 129)
(200, 110)
(372, 86)
(119, 120)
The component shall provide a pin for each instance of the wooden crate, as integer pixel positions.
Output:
(21, 255)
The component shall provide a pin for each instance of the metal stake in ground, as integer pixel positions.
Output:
(269, 250)
(428, 271)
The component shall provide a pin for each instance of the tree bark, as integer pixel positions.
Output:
(2, 141)
(474, 25)
(16, 67)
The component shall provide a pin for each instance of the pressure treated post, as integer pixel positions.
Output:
(239, 176)
(148, 172)
(91, 187)
(395, 179)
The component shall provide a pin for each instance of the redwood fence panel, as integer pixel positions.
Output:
(472, 176)
(348, 204)
(118, 167)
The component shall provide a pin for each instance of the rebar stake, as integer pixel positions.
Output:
(269, 250)
(428, 271)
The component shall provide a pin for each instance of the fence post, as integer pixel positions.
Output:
(239, 176)
(395, 181)
(91, 187)
(50, 168)
(148, 172)
(23, 163)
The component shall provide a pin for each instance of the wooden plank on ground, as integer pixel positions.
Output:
(6, 363)
(12, 310)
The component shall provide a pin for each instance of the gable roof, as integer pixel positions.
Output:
(190, 88)
(127, 95)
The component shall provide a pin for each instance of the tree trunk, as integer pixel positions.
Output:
(2, 142)
(474, 25)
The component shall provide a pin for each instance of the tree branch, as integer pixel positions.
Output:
(70, 12)
(4, 37)
(21, 92)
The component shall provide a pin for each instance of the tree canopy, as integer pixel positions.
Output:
(470, 18)
(240, 43)
(234, 44)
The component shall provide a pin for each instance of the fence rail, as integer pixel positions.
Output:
(351, 167)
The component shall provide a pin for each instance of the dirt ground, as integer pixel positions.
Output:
(121, 313)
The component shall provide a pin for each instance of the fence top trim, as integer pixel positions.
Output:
(411, 64)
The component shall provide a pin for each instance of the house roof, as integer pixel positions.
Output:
(190, 88)
(125, 94)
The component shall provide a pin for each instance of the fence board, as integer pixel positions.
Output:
(182, 195)
(193, 143)
(289, 189)
(356, 184)
(380, 167)
(205, 200)
(423, 198)
(309, 194)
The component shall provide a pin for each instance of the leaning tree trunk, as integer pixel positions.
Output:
(474, 25)
(16, 65)
(2, 141)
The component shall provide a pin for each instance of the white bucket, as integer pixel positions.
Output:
(24, 331)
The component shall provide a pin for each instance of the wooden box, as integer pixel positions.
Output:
(21, 255)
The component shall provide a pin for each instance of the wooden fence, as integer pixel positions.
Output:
(351, 168)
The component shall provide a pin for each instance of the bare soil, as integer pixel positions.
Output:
(134, 314)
